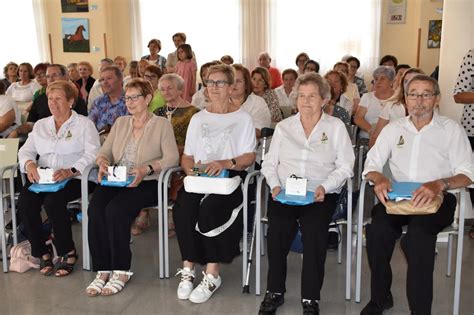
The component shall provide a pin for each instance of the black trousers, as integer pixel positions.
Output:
(419, 246)
(314, 220)
(112, 211)
(29, 209)
(209, 214)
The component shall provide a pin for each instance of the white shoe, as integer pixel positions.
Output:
(185, 286)
(205, 289)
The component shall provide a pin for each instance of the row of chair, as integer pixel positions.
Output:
(261, 198)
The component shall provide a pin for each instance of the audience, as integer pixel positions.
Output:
(154, 45)
(261, 83)
(186, 68)
(73, 72)
(67, 143)
(10, 72)
(110, 106)
(40, 108)
(40, 76)
(227, 59)
(121, 63)
(86, 81)
(399, 71)
(153, 74)
(7, 112)
(222, 136)
(145, 144)
(172, 60)
(96, 89)
(441, 161)
(283, 92)
(372, 103)
(354, 65)
(318, 137)
(339, 105)
(311, 66)
(200, 98)
(389, 61)
(396, 109)
(351, 91)
(301, 61)
(24, 89)
(264, 61)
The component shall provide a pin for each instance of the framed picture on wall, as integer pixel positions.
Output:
(74, 6)
(434, 33)
(75, 35)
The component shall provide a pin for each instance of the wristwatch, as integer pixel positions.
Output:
(151, 171)
(446, 184)
(234, 163)
(73, 170)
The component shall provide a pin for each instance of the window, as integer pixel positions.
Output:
(21, 27)
(326, 31)
(212, 27)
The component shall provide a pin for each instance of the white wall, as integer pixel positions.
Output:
(457, 38)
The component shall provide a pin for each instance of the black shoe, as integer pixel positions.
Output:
(373, 308)
(310, 307)
(270, 303)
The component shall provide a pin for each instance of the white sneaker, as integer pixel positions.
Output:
(205, 289)
(185, 286)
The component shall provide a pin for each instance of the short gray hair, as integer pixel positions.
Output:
(425, 78)
(178, 81)
(316, 79)
(389, 72)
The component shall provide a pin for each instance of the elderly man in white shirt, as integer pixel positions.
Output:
(427, 148)
(65, 142)
(317, 147)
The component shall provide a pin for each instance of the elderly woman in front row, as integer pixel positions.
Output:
(222, 136)
(315, 146)
(145, 144)
(67, 143)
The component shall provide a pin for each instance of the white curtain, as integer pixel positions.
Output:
(326, 31)
(41, 36)
(136, 29)
(21, 35)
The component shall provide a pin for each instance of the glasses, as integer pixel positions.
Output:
(218, 83)
(132, 98)
(424, 96)
(150, 77)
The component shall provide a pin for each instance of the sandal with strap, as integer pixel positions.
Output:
(142, 222)
(115, 285)
(46, 263)
(97, 285)
(62, 264)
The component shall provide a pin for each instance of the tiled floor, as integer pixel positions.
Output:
(32, 293)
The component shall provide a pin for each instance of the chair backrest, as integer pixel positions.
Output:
(8, 153)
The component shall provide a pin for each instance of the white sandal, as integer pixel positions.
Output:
(115, 285)
(97, 284)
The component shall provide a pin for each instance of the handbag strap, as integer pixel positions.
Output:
(218, 230)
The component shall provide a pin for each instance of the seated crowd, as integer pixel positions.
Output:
(156, 117)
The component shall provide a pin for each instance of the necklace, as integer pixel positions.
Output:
(170, 112)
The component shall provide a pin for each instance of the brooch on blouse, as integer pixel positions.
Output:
(68, 135)
(324, 138)
(401, 142)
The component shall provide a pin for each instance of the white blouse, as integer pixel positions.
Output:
(23, 93)
(393, 111)
(74, 145)
(258, 109)
(325, 158)
(212, 137)
(374, 107)
(439, 150)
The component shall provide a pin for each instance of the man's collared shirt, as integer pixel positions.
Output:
(439, 150)
(104, 113)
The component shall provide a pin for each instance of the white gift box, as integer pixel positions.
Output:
(296, 186)
(117, 173)
(46, 175)
(211, 185)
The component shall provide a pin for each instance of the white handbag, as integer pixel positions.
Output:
(211, 185)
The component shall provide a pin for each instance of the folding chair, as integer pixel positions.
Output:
(164, 200)
(457, 282)
(86, 255)
(263, 189)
